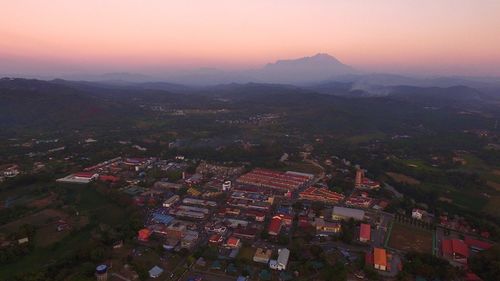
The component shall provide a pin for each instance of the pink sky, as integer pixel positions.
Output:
(427, 36)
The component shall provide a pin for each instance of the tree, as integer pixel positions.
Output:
(486, 264)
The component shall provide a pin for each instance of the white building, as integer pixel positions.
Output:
(417, 214)
(341, 213)
(282, 261)
(226, 186)
(155, 272)
(170, 201)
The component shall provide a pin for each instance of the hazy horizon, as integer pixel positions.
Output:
(58, 38)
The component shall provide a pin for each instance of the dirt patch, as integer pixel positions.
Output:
(409, 238)
(494, 185)
(400, 178)
(445, 199)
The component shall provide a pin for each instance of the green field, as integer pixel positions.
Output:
(90, 204)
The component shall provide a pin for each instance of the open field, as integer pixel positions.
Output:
(38, 219)
(408, 238)
(246, 253)
(93, 209)
(492, 206)
(400, 178)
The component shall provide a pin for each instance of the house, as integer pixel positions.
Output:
(245, 233)
(275, 225)
(380, 259)
(233, 242)
(325, 227)
(282, 261)
(262, 255)
(144, 234)
(170, 201)
(455, 250)
(216, 239)
(342, 213)
(155, 272)
(417, 213)
(365, 232)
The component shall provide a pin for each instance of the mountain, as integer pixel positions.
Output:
(304, 70)
(299, 71)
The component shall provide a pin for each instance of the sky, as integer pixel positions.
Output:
(146, 36)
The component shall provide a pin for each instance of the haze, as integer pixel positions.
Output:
(60, 37)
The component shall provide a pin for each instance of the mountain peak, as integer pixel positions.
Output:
(318, 67)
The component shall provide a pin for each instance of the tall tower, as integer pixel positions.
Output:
(360, 174)
(101, 272)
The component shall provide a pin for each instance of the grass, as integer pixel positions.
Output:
(410, 238)
(246, 253)
(470, 201)
(492, 206)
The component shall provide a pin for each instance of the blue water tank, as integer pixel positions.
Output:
(101, 269)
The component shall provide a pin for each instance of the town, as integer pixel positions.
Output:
(227, 221)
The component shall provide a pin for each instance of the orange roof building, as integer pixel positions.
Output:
(380, 259)
(144, 234)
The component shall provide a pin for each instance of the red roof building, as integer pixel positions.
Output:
(245, 233)
(477, 245)
(215, 239)
(364, 232)
(455, 249)
(144, 234)
(233, 242)
(470, 276)
(321, 195)
(109, 178)
(275, 225)
(275, 180)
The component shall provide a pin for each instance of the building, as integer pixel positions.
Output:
(341, 213)
(282, 261)
(245, 233)
(216, 239)
(233, 242)
(477, 245)
(417, 213)
(170, 201)
(455, 250)
(275, 225)
(226, 186)
(321, 195)
(359, 201)
(324, 228)
(82, 177)
(363, 182)
(144, 234)
(101, 272)
(199, 202)
(283, 181)
(364, 232)
(380, 259)
(262, 255)
(162, 218)
(360, 174)
(155, 272)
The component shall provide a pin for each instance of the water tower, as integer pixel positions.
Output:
(101, 272)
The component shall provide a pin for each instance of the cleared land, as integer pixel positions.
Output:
(400, 178)
(409, 238)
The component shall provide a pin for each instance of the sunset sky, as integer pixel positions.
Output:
(405, 36)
